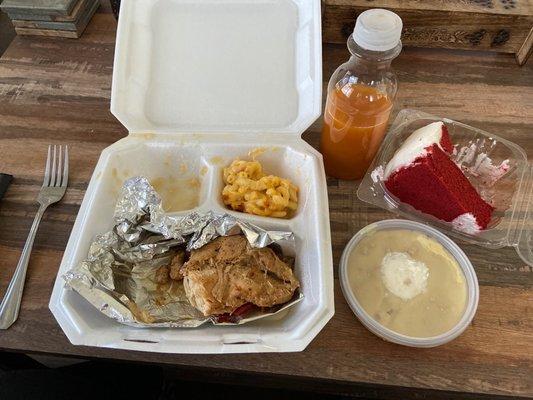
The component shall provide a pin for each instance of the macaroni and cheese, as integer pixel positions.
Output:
(250, 190)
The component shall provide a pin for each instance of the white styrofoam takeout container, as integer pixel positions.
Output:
(198, 84)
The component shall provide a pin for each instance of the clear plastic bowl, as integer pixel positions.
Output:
(388, 334)
(511, 194)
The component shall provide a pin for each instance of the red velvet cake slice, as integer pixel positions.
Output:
(422, 174)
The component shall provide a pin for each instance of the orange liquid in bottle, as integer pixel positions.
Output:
(355, 120)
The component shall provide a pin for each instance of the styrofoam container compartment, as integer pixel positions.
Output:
(198, 84)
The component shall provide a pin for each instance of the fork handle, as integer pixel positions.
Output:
(9, 308)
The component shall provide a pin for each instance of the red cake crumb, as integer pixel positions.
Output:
(435, 185)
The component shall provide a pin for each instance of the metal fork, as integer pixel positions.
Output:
(53, 189)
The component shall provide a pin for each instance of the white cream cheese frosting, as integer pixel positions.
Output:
(415, 146)
(466, 223)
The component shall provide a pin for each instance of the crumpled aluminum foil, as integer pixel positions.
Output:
(118, 275)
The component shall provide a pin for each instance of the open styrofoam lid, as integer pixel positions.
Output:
(217, 65)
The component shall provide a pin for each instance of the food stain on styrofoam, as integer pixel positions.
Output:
(117, 179)
(146, 136)
(177, 194)
(254, 153)
(217, 160)
(203, 170)
(167, 160)
(114, 184)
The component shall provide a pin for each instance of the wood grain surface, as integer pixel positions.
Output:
(498, 7)
(56, 90)
(493, 25)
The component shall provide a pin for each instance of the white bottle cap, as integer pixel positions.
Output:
(377, 30)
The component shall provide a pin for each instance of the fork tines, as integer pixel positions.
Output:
(56, 173)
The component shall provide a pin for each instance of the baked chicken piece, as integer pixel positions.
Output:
(176, 264)
(172, 271)
(228, 273)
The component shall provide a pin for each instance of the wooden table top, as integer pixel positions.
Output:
(57, 91)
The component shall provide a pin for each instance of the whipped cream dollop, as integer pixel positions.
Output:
(403, 276)
(415, 146)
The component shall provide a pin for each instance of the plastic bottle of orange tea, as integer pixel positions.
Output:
(360, 95)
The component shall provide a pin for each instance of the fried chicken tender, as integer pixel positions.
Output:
(227, 273)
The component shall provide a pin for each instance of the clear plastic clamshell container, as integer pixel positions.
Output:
(511, 193)
(199, 84)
